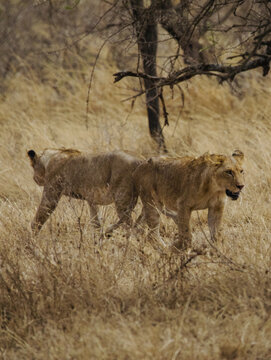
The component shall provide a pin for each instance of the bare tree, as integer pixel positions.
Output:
(245, 23)
(219, 38)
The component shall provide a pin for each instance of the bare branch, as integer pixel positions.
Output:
(120, 75)
(224, 72)
(165, 113)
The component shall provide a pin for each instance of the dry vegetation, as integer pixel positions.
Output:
(60, 298)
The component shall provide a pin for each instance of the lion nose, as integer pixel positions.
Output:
(240, 186)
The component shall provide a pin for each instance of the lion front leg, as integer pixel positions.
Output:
(185, 237)
(215, 214)
(49, 201)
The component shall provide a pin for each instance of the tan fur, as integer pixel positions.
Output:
(99, 179)
(178, 186)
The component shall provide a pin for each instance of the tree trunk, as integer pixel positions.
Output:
(146, 30)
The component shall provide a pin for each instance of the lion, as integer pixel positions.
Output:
(176, 187)
(99, 179)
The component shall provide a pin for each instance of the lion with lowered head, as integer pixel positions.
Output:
(177, 187)
(99, 179)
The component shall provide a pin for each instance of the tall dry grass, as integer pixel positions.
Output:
(61, 298)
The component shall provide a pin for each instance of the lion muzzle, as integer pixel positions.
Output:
(233, 195)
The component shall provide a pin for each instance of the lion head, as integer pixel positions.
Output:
(39, 168)
(230, 174)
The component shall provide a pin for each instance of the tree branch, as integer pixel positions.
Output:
(222, 71)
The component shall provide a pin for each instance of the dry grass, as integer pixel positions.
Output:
(61, 299)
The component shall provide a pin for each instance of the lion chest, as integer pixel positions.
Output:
(203, 193)
(209, 200)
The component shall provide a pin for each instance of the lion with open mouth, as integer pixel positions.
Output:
(176, 187)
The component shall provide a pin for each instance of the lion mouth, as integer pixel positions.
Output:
(233, 195)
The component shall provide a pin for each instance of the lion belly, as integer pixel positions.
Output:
(101, 196)
(95, 195)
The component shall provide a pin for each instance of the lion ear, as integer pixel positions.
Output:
(238, 155)
(32, 156)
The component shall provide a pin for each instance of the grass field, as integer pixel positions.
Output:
(61, 299)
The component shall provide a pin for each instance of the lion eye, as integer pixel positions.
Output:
(241, 171)
(229, 172)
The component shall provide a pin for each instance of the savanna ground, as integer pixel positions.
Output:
(60, 298)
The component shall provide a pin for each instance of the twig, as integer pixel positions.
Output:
(94, 67)
(120, 75)
(239, 267)
(183, 266)
(165, 113)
